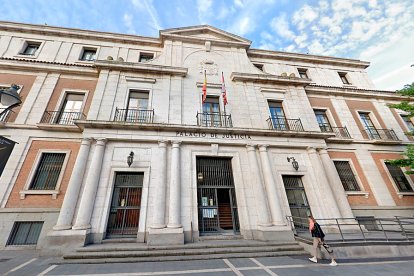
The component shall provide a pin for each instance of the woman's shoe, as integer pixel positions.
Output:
(313, 259)
(333, 263)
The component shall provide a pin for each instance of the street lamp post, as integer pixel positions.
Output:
(9, 98)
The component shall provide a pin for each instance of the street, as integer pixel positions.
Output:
(28, 263)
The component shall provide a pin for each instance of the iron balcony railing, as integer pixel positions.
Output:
(5, 116)
(132, 115)
(340, 132)
(214, 119)
(61, 117)
(381, 134)
(285, 124)
(359, 229)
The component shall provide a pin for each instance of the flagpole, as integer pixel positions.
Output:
(222, 96)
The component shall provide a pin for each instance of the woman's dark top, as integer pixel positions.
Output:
(317, 231)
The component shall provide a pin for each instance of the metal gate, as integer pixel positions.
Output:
(217, 205)
(125, 206)
(298, 202)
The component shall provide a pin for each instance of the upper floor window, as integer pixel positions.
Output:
(369, 125)
(144, 57)
(48, 171)
(31, 48)
(344, 78)
(258, 66)
(138, 100)
(399, 178)
(303, 73)
(71, 108)
(347, 176)
(88, 54)
(277, 115)
(211, 105)
(323, 121)
(408, 122)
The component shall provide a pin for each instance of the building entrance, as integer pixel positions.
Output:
(125, 206)
(298, 202)
(216, 197)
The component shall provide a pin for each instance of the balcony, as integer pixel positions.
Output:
(340, 132)
(381, 134)
(142, 116)
(61, 118)
(284, 124)
(214, 119)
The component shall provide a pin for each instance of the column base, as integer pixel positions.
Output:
(174, 226)
(81, 227)
(62, 227)
(274, 233)
(165, 236)
(158, 226)
(59, 242)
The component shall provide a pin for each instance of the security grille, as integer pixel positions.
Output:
(25, 233)
(298, 202)
(48, 171)
(217, 205)
(347, 176)
(126, 205)
(399, 178)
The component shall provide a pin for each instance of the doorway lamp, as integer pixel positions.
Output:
(9, 98)
(295, 163)
(130, 159)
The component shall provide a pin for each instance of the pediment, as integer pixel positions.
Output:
(204, 33)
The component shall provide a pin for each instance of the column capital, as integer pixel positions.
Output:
(322, 150)
(250, 147)
(86, 141)
(162, 143)
(101, 141)
(311, 149)
(176, 144)
(263, 148)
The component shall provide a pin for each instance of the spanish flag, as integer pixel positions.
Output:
(223, 89)
(205, 87)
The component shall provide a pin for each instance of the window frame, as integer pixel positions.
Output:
(397, 190)
(328, 115)
(344, 76)
(362, 190)
(143, 54)
(88, 48)
(24, 46)
(405, 122)
(303, 71)
(372, 118)
(13, 229)
(26, 189)
(63, 96)
(259, 66)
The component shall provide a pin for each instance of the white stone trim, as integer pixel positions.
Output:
(87, 47)
(328, 113)
(397, 191)
(24, 45)
(65, 92)
(359, 182)
(26, 190)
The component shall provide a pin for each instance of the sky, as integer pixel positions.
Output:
(378, 31)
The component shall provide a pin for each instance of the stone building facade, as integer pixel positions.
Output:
(300, 134)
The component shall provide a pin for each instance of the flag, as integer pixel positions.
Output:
(223, 89)
(205, 87)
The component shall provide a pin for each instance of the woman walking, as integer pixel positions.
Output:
(318, 239)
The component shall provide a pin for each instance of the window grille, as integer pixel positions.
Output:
(399, 178)
(347, 176)
(48, 171)
(25, 233)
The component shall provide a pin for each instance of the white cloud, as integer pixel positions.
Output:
(238, 3)
(304, 16)
(148, 8)
(128, 21)
(204, 10)
(281, 26)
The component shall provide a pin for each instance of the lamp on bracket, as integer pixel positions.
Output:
(9, 98)
(130, 159)
(295, 163)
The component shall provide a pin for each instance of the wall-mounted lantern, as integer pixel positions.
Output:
(130, 159)
(295, 163)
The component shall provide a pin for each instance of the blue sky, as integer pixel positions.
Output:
(379, 31)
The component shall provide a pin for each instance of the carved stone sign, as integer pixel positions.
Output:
(212, 135)
(209, 66)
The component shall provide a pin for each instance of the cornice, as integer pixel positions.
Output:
(354, 92)
(77, 33)
(201, 40)
(141, 67)
(308, 58)
(266, 78)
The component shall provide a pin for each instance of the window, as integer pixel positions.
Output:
(144, 57)
(211, 112)
(277, 116)
(303, 73)
(258, 66)
(25, 233)
(369, 125)
(347, 176)
(137, 107)
(88, 54)
(408, 122)
(323, 121)
(48, 171)
(399, 178)
(31, 49)
(71, 109)
(344, 78)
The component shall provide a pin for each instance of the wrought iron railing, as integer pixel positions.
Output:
(285, 124)
(61, 118)
(340, 132)
(134, 115)
(214, 119)
(5, 116)
(381, 134)
(359, 229)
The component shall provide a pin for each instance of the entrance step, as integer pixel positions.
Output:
(128, 252)
(120, 240)
(222, 236)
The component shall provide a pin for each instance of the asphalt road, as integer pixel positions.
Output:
(29, 263)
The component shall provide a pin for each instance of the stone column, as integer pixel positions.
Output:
(336, 184)
(325, 193)
(272, 194)
(83, 219)
(160, 187)
(72, 193)
(174, 215)
(258, 189)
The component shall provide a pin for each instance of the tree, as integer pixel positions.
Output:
(408, 107)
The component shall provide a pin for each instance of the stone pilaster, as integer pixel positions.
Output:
(72, 193)
(174, 215)
(160, 187)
